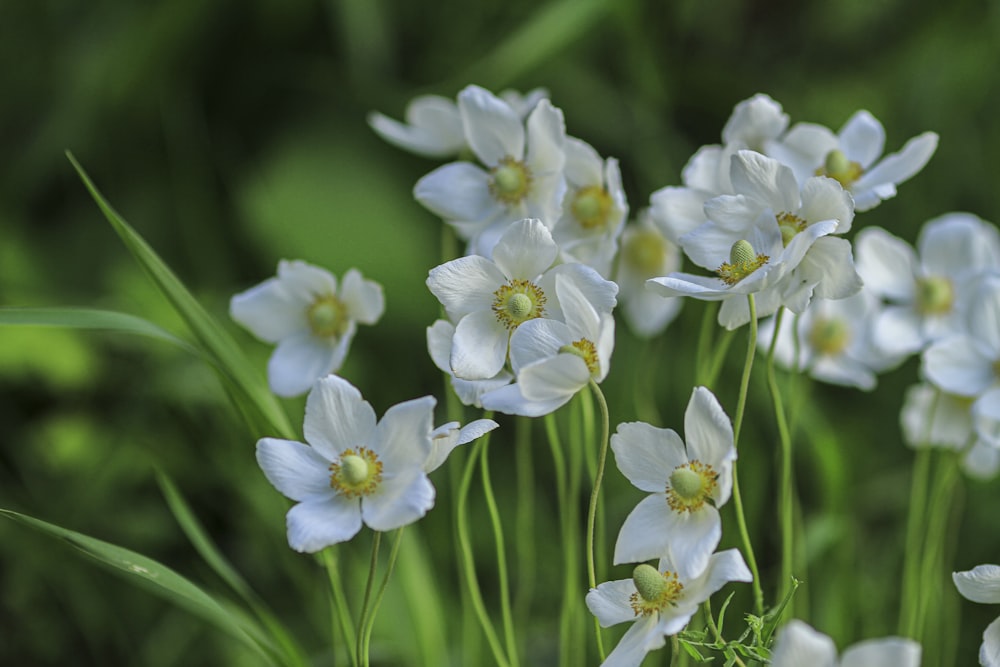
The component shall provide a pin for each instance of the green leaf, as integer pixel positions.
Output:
(158, 579)
(242, 379)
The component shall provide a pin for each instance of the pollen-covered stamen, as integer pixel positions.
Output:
(518, 301)
(356, 473)
(591, 207)
(586, 350)
(829, 335)
(790, 225)
(743, 260)
(510, 181)
(839, 168)
(654, 590)
(691, 485)
(327, 316)
(645, 251)
(935, 295)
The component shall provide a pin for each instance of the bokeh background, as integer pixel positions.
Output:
(233, 134)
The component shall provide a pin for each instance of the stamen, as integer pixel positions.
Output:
(586, 350)
(518, 301)
(743, 261)
(327, 317)
(654, 590)
(839, 168)
(511, 181)
(690, 486)
(591, 207)
(356, 473)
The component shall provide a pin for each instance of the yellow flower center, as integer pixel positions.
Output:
(829, 335)
(327, 316)
(510, 181)
(839, 168)
(645, 252)
(935, 295)
(586, 350)
(743, 260)
(691, 485)
(356, 473)
(654, 590)
(591, 207)
(518, 301)
(790, 225)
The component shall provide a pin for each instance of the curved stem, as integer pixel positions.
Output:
(376, 540)
(491, 506)
(786, 503)
(367, 630)
(594, 495)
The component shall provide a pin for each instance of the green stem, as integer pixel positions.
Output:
(786, 504)
(525, 518)
(505, 610)
(716, 632)
(376, 540)
(468, 561)
(675, 651)
(338, 602)
(559, 465)
(910, 599)
(367, 630)
(741, 521)
(946, 475)
(594, 496)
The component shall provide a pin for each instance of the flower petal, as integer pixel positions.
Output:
(693, 536)
(479, 347)
(766, 180)
(457, 191)
(958, 366)
(364, 298)
(644, 636)
(894, 651)
(609, 602)
(980, 584)
(525, 250)
(824, 199)
(862, 138)
(553, 378)
(301, 359)
(270, 311)
(708, 431)
(546, 136)
(465, 285)
(989, 652)
(646, 455)
(677, 211)
(601, 293)
(646, 532)
(886, 263)
(321, 521)
(493, 128)
(296, 470)
(434, 127)
(403, 435)
(897, 331)
(537, 340)
(901, 166)
(337, 417)
(510, 401)
(399, 501)
(798, 644)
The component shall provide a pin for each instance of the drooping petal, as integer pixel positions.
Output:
(296, 470)
(364, 298)
(337, 417)
(299, 361)
(980, 584)
(465, 285)
(798, 645)
(403, 435)
(399, 501)
(646, 455)
(479, 347)
(321, 521)
(609, 602)
(434, 127)
(646, 531)
(693, 536)
(449, 436)
(553, 378)
(270, 311)
(580, 316)
(525, 250)
(723, 567)
(510, 401)
(493, 128)
(644, 636)
(899, 167)
(457, 191)
(862, 138)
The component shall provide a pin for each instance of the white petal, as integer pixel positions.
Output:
(723, 567)
(457, 191)
(302, 278)
(989, 652)
(804, 148)
(493, 128)
(510, 401)
(525, 250)
(900, 166)
(643, 637)
(693, 538)
(798, 645)
(829, 265)
(677, 211)
(646, 531)
(300, 360)
(583, 164)
(754, 121)
(957, 243)
(609, 602)
(930, 417)
(646, 455)
(862, 138)
(600, 292)
(296, 470)
(897, 331)
(364, 298)
(707, 430)
(537, 340)
(980, 584)
(708, 170)
(886, 263)
(465, 285)
(553, 378)
(399, 501)
(434, 129)
(337, 418)
(824, 199)
(984, 319)
(270, 311)
(479, 348)
(958, 366)
(403, 436)
(322, 521)
(981, 461)
(894, 651)
(648, 314)
(766, 180)
(709, 245)
(546, 135)
(707, 288)
(844, 371)
(578, 313)
(439, 344)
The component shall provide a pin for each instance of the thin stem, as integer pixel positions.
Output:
(338, 602)
(675, 651)
(559, 464)
(946, 476)
(786, 509)
(491, 506)
(367, 630)
(741, 521)
(376, 540)
(592, 509)
(468, 561)
(716, 632)
(525, 518)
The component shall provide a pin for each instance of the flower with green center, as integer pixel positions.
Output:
(659, 602)
(829, 335)
(798, 644)
(353, 470)
(489, 300)
(687, 484)
(310, 317)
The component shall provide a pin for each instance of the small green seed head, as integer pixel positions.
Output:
(328, 317)
(836, 162)
(353, 469)
(686, 482)
(519, 305)
(935, 295)
(829, 336)
(741, 253)
(649, 582)
(644, 252)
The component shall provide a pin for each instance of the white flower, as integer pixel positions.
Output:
(489, 299)
(982, 584)
(645, 254)
(448, 436)
(852, 157)
(754, 122)
(593, 210)
(522, 175)
(927, 293)
(439, 342)
(554, 360)
(353, 470)
(310, 318)
(687, 485)
(799, 645)
(835, 341)
(433, 126)
(659, 601)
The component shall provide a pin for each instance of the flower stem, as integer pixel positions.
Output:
(569, 577)
(946, 477)
(786, 501)
(338, 601)
(914, 530)
(376, 540)
(525, 518)
(741, 521)
(367, 629)
(592, 509)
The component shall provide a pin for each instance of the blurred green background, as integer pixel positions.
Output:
(233, 134)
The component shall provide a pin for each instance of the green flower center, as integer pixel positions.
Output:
(356, 473)
(586, 350)
(518, 301)
(790, 225)
(935, 295)
(510, 181)
(592, 207)
(645, 252)
(829, 335)
(743, 260)
(839, 168)
(327, 317)
(691, 485)
(654, 590)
